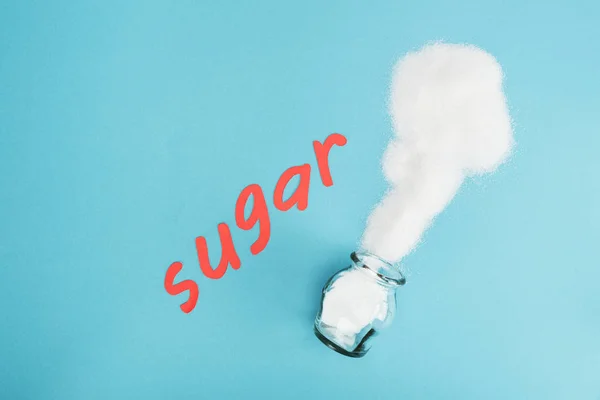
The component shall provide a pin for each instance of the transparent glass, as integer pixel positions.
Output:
(357, 303)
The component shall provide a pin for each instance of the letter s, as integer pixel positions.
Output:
(175, 289)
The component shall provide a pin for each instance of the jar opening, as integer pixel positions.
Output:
(388, 272)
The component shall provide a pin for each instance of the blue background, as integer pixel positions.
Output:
(128, 129)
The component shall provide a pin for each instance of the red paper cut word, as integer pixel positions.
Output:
(259, 214)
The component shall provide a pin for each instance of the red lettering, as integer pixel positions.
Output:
(260, 214)
(322, 154)
(228, 254)
(175, 289)
(300, 195)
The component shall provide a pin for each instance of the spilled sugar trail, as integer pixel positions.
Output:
(450, 121)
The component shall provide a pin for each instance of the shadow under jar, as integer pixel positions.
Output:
(357, 302)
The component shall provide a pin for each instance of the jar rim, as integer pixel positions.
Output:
(390, 273)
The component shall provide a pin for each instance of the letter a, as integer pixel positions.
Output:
(300, 195)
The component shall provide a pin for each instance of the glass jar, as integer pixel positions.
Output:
(357, 302)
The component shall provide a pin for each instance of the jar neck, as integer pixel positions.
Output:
(385, 271)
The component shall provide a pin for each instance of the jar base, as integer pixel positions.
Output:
(335, 347)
